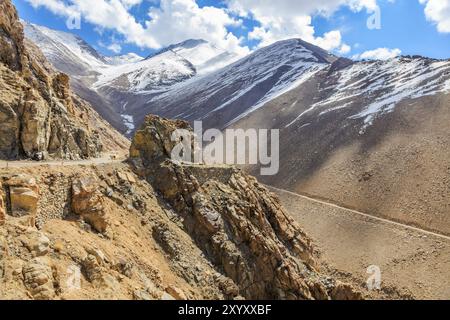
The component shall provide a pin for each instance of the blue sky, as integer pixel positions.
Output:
(118, 26)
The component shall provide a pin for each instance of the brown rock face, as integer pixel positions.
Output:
(2, 206)
(153, 144)
(38, 278)
(11, 37)
(238, 224)
(40, 116)
(23, 197)
(87, 202)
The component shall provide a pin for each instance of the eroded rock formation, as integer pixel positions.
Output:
(23, 197)
(239, 225)
(2, 206)
(87, 202)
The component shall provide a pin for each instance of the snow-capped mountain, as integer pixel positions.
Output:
(369, 135)
(112, 83)
(153, 74)
(225, 96)
(124, 59)
(195, 80)
(170, 66)
(377, 87)
(67, 52)
(204, 56)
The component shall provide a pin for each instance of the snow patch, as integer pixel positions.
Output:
(128, 121)
(283, 86)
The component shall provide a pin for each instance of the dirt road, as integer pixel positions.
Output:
(414, 263)
(57, 163)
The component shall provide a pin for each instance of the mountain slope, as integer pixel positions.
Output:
(124, 59)
(373, 136)
(73, 56)
(66, 52)
(152, 229)
(116, 84)
(204, 56)
(151, 74)
(230, 93)
(367, 134)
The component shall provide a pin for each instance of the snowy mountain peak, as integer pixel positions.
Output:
(124, 59)
(62, 47)
(298, 46)
(191, 43)
(229, 94)
(188, 44)
(203, 55)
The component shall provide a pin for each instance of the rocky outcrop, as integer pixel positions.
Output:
(2, 206)
(87, 202)
(40, 116)
(23, 197)
(38, 279)
(239, 225)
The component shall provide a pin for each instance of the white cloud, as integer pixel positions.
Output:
(378, 54)
(285, 19)
(115, 47)
(438, 11)
(345, 49)
(173, 21)
(177, 20)
(330, 40)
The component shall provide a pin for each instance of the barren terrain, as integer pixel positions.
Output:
(415, 264)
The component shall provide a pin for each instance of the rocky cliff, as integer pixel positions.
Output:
(40, 115)
(239, 225)
(155, 229)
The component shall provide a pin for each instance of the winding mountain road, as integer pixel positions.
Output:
(362, 214)
(414, 263)
(109, 160)
(57, 163)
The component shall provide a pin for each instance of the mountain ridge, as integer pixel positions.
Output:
(111, 82)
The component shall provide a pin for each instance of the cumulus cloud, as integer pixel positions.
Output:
(115, 47)
(284, 19)
(177, 20)
(345, 49)
(378, 54)
(171, 21)
(438, 11)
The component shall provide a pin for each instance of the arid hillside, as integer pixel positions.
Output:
(152, 229)
(394, 163)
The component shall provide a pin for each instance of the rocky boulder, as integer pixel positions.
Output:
(88, 202)
(23, 197)
(11, 37)
(2, 206)
(38, 279)
(240, 226)
(153, 143)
